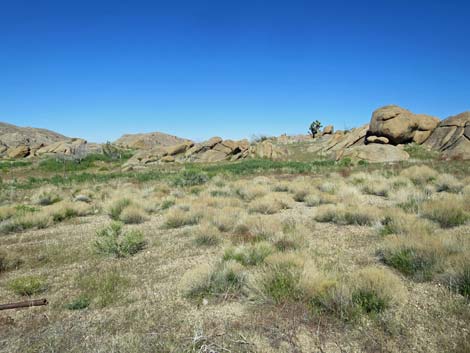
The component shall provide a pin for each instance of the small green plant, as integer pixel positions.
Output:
(82, 302)
(102, 288)
(28, 285)
(112, 241)
(369, 301)
(249, 255)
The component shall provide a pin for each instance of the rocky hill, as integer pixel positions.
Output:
(14, 136)
(147, 141)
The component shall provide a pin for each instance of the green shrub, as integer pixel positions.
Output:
(28, 285)
(114, 242)
(82, 302)
(415, 262)
(280, 283)
(459, 279)
(190, 178)
(369, 301)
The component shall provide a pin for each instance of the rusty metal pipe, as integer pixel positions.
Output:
(25, 304)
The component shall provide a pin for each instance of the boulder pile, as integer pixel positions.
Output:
(395, 125)
(452, 137)
(213, 150)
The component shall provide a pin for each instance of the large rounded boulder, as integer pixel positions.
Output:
(400, 125)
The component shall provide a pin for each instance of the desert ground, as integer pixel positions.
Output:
(301, 255)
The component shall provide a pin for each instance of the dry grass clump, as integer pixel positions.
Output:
(224, 279)
(457, 277)
(7, 212)
(419, 256)
(8, 261)
(46, 196)
(249, 255)
(66, 209)
(26, 221)
(410, 199)
(448, 210)
(329, 187)
(300, 189)
(280, 280)
(207, 235)
(377, 188)
(292, 237)
(268, 204)
(281, 187)
(396, 221)
(419, 174)
(448, 183)
(182, 216)
(340, 214)
(116, 206)
(375, 290)
(133, 214)
(256, 228)
(251, 191)
(225, 219)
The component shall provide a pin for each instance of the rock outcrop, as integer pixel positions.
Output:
(374, 153)
(70, 147)
(148, 141)
(15, 136)
(267, 149)
(210, 151)
(452, 137)
(401, 126)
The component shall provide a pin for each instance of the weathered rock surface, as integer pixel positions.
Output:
(18, 152)
(329, 129)
(374, 139)
(269, 150)
(374, 153)
(14, 136)
(400, 125)
(452, 137)
(147, 141)
(339, 141)
(70, 147)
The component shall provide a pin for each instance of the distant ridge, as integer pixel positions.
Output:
(14, 136)
(149, 140)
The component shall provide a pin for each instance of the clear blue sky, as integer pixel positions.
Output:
(98, 69)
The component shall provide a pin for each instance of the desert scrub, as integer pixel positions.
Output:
(257, 228)
(419, 174)
(66, 210)
(268, 204)
(7, 212)
(251, 191)
(116, 206)
(249, 255)
(375, 289)
(46, 197)
(207, 235)
(448, 211)
(419, 257)
(8, 261)
(226, 218)
(458, 277)
(224, 279)
(180, 217)
(26, 221)
(281, 278)
(448, 183)
(189, 178)
(133, 214)
(28, 285)
(396, 221)
(364, 215)
(113, 241)
(100, 288)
